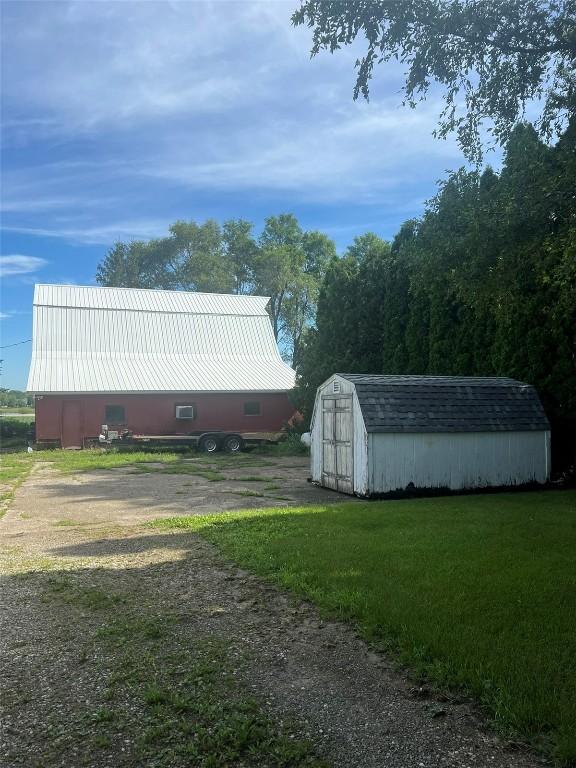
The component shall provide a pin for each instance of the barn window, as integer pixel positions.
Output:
(252, 408)
(115, 414)
(185, 411)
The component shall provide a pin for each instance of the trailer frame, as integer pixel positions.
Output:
(211, 441)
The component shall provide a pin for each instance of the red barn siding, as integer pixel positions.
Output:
(154, 414)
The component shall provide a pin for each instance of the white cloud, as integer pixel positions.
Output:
(359, 152)
(362, 152)
(87, 234)
(118, 63)
(14, 312)
(141, 111)
(17, 264)
(31, 204)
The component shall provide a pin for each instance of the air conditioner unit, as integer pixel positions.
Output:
(185, 412)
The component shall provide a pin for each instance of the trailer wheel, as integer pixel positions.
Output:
(209, 445)
(233, 444)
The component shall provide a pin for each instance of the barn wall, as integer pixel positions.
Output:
(457, 460)
(155, 413)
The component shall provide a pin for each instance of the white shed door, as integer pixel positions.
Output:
(337, 442)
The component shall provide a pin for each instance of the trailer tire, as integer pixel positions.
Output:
(209, 444)
(233, 444)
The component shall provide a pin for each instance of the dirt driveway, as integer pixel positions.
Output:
(130, 495)
(103, 619)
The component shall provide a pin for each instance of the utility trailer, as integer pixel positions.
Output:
(208, 442)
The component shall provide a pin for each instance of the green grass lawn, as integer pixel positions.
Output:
(476, 593)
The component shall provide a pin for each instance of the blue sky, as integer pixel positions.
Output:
(119, 118)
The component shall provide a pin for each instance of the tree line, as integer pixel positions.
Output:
(483, 284)
(14, 398)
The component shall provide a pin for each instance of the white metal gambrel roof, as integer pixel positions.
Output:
(88, 339)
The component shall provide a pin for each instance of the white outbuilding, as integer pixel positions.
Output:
(377, 435)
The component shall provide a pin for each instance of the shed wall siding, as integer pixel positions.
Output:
(360, 450)
(457, 460)
(316, 443)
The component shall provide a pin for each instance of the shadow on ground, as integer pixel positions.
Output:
(125, 496)
(83, 616)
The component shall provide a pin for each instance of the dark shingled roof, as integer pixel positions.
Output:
(447, 404)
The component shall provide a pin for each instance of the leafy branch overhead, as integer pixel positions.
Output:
(492, 57)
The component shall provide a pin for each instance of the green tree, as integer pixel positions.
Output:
(191, 258)
(331, 345)
(279, 264)
(484, 283)
(14, 398)
(127, 265)
(348, 331)
(395, 311)
(299, 312)
(289, 268)
(197, 255)
(490, 57)
(241, 253)
(373, 256)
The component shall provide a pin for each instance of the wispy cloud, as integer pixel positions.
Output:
(359, 154)
(18, 264)
(139, 113)
(97, 235)
(14, 313)
(122, 62)
(363, 153)
(34, 205)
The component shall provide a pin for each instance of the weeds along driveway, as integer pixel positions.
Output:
(133, 493)
(127, 646)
